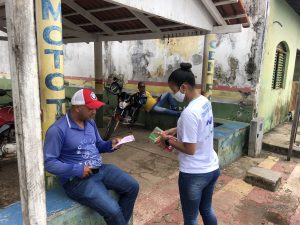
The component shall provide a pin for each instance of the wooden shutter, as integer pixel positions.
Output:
(279, 67)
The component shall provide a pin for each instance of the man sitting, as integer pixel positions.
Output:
(156, 105)
(72, 152)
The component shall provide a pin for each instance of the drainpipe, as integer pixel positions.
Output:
(51, 61)
(208, 65)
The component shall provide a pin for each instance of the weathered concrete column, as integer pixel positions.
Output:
(98, 62)
(208, 64)
(25, 87)
(51, 63)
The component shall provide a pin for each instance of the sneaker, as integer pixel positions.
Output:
(178, 108)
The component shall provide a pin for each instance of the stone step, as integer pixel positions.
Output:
(264, 178)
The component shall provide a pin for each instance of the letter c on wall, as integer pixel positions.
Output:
(49, 79)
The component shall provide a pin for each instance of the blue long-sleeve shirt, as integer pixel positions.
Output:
(68, 148)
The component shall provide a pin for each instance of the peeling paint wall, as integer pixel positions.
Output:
(239, 55)
(152, 60)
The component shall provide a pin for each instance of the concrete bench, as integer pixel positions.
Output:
(60, 210)
(230, 140)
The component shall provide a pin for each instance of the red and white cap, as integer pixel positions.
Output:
(86, 97)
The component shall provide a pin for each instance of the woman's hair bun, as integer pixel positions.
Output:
(186, 66)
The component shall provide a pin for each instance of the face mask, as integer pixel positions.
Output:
(179, 96)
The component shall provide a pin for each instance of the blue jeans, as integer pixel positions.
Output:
(196, 192)
(93, 192)
(166, 98)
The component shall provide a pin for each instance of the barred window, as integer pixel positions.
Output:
(279, 66)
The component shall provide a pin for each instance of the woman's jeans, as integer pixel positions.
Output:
(196, 192)
(93, 192)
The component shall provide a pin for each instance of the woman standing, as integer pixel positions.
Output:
(199, 164)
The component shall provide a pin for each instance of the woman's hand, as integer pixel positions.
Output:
(172, 131)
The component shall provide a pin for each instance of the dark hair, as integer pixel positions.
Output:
(183, 75)
(141, 83)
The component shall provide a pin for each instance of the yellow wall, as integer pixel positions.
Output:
(283, 25)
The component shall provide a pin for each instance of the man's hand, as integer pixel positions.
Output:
(87, 171)
(115, 141)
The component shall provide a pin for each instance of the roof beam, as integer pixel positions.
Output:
(105, 8)
(89, 16)
(77, 40)
(227, 29)
(235, 17)
(226, 2)
(195, 14)
(168, 34)
(214, 12)
(95, 10)
(85, 34)
(120, 20)
(171, 26)
(132, 30)
(146, 21)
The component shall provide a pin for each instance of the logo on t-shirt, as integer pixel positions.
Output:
(208, 122)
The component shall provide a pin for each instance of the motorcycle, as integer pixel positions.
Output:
(7, 127)
(119, 114)
(126, 110)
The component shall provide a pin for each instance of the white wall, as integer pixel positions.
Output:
(4, 63)
(79, 60)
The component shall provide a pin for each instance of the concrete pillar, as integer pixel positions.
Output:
(255, 137)
(25, 87)
(98, 63)
(208, 65)
(51, 61)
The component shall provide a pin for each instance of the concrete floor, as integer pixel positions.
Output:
(235, 201)
(278, 139)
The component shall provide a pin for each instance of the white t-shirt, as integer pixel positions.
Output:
(196, 125)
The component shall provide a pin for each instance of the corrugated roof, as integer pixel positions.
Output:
(93, 4)
(113, 14)
(90, 19)
(127, 25)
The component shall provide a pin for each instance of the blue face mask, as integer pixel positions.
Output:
(179, 96)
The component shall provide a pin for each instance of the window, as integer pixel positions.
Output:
(279, 66)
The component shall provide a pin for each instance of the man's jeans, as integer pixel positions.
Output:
(196, 192)
(166, 98)
(93, 192)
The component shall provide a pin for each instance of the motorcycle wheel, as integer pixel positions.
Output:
(112, 126)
